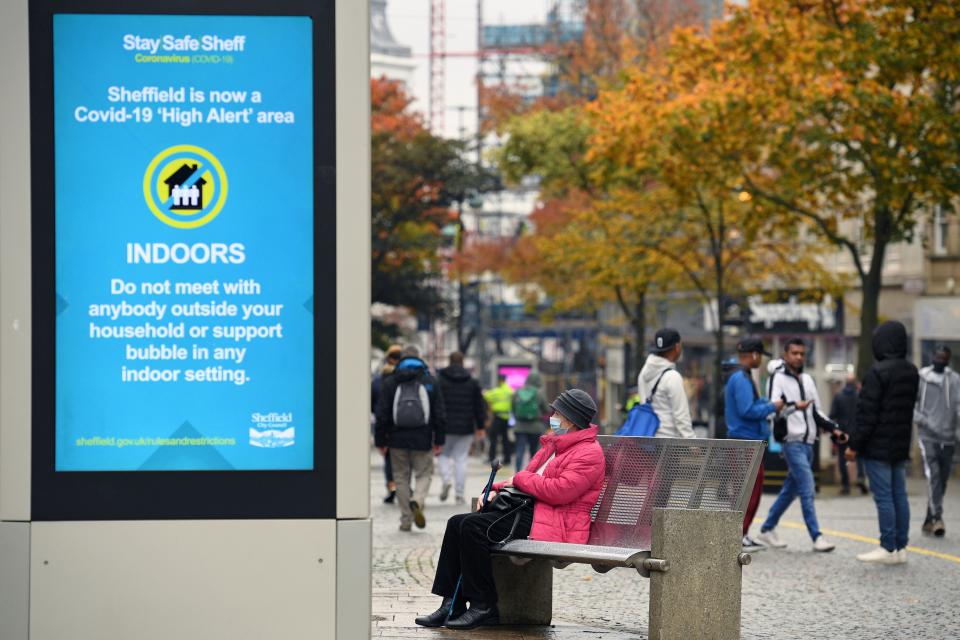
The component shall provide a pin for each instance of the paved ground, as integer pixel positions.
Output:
(790, 593)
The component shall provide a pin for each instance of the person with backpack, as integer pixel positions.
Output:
(797, 427)
(466, 413)
(411, 423)
(661, 385)
(882, 432)
(390, 361)
(937, 415)
(745, 414)
(500, 400)
(529, 407)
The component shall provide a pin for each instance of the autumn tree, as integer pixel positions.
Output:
(416, 178)
(848, 119)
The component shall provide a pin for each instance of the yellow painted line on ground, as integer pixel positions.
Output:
(858, 538)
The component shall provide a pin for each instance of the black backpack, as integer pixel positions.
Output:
(411, 405)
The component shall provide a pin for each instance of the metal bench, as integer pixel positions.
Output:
(671, 509)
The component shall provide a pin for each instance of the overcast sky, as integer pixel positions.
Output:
(409, 21)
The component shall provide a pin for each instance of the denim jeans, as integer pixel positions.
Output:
(526, 441)
(888, 482)
(799, 482)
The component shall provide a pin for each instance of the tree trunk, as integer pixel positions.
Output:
(870, 284)
(639, 334)
(869, 311)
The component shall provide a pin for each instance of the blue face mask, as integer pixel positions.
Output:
(555, 425)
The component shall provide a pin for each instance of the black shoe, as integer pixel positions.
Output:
(478, 615)
(939, 529)
(418, 517)
(845, 491)
(441, 615)
(445, 492)
(863, 489)
(390, 497)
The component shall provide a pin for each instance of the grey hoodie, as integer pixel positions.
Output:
(937, 412)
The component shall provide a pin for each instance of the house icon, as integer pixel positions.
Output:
(189, 198)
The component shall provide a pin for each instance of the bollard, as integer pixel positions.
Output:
(699, 597)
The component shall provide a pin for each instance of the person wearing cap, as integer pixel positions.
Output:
(390, 361)
(564, 477)
(661, 384)
(745, 413)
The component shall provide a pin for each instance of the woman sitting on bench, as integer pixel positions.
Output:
(564, 478)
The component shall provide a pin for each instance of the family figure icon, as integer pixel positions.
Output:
(185, 197)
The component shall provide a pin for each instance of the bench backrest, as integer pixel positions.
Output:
(645, 473)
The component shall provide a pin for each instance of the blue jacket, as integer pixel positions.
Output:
(745, 412)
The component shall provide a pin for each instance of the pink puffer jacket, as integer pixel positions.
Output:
(568, 488)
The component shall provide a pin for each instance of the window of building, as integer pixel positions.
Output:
(940, 229)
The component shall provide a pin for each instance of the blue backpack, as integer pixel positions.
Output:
(642, 421)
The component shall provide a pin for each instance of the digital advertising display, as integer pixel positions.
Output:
(184, 236)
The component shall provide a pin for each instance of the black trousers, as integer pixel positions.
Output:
(466, 552)
(500, 429)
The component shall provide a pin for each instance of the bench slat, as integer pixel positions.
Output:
(575, 553)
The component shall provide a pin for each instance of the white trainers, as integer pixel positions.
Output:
(748, 544)
(901, 556)
(823, 545)
(771, 539)
(880, 556)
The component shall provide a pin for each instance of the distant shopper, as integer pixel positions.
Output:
(661, 383)
(843, 410)
(500, 400)
(466, 413)
(530, 406)
(411, 423)
(937, 415)
(745, 413)
(803, 421)
(881, 436)
(390, 361)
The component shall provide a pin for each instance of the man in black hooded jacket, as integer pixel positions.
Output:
(466, 413)
(881, 436)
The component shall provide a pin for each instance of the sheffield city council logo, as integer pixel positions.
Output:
(185, 186)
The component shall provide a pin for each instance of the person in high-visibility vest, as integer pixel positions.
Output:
(500, 399)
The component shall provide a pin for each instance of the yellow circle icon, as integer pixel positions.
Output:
(185, 186)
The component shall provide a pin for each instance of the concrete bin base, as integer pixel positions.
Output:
(699, 596)
(525, 591)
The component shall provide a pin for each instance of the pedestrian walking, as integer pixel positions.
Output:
(937, 415)
(500, 400)
(661, 384)
(391, 359)
(745, 414)
(843, 409)
(411, 424)
(881, 436)
(803, 420)
(530, 407)
(466, 413)
(563, 479)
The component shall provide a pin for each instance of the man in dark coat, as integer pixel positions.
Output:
(466, 413)
(410, 422)
(881, 436)
(843, 410)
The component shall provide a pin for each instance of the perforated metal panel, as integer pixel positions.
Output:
(645, 473)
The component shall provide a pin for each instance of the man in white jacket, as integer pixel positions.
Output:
(660, 379)
(804, 419)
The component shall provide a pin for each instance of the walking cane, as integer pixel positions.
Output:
(494, 467)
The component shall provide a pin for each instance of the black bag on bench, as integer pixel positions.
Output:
(509, 501)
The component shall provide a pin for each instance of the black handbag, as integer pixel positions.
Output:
(509, 501)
